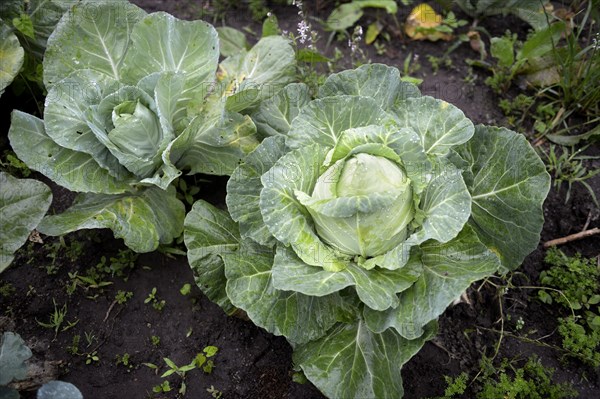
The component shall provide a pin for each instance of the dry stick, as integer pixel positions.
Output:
(112, 305)
(572, 237)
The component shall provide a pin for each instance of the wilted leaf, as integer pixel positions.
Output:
(424, 23)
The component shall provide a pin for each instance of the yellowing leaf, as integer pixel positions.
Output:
(372, 32)
(424, 23)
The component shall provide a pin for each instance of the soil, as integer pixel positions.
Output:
(252, 363)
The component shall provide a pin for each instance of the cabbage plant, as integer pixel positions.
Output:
(133, 100)
(363, 215)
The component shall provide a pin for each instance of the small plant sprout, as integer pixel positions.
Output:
(153, 298)
(92, 358)
(163, 387)
(57, 318)
(155, 339)
(202, 359)
(180, 371)
(214, 392)
(123, 296)
(125, 360)
(186, 289)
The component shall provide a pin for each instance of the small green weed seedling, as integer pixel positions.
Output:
(568, 167)
(201, 361)
(155, 340)
(156, 302)
(186, 289)
(163, 387)
(125, 360)
(56, 320)
(13, 165)
(73, 349)
(508, 380)
(575, 285)
(92, 358)
(123, 296)
(214, 392)
(514, 58)
(7, 289)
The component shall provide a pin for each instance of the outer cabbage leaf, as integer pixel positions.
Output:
(231, 41)
(23, 204)
(166, 44)
(214, 142)
(12, 56)
(439, 124)
(376, 288)
(74, 170)
(300, 318)
(323, 121)
(59, 390)
(254, 76)
(244, 186)
(353, 362)
(508, 183)
(448, 270)
(209, 234)
(274, 116)
(91, 36)
(13, 354)
(43, 14)
(143, 219)
(377, 81)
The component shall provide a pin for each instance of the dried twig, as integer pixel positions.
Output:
(572, 237)
(112, 305)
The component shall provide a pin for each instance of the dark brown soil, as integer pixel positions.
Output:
(252, 363)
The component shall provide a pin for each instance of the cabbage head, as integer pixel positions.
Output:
(365, 213)
(134, 99)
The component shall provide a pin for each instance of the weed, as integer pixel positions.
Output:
(92, 358)
(518, 106)
(123, 296)
(568, 167)
(258, 9)
(581, 342)
(7, 289)
(410, 66)
(437, 62)
(163, 387)
(125, 360)
(531, 381)
(214, 392)
(155, 340)
(200, 361)
(156, 302)
(185, 289)
(56, 320)
(576, 278)
(575, 283)
(73, 349)
(13, 165)
(187, 192)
